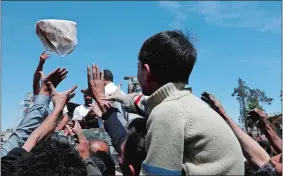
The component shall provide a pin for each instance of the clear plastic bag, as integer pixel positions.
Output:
(59, 36)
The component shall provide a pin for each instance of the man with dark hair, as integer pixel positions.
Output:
(198, 142)
(49, 157)
(130, 143)
(110, 87)
(85, 114)
(108, 76)
(134, 146)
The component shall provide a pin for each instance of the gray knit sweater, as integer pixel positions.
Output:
(185, 134)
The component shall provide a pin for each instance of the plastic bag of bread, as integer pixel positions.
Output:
(59, 36)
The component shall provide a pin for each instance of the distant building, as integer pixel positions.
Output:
(275, 120)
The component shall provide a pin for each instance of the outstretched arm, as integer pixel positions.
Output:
(133, 103)
(83, 149)
(252, 151)
(37, 113)
(260, 116)
(49, 124)
(271, 135)
(63, 122)
(36, 77)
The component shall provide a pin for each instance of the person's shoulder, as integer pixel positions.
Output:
(168, 109)
(190, 101)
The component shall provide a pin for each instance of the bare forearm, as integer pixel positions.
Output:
(252, 151)
(271, 135)
(63, 121)
(36, 78)
(47, 126)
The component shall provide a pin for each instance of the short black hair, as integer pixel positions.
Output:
(104, 162)
(135, 152)
(108, 75)
(170, 55)
(50, 157)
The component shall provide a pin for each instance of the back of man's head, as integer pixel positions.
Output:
(98, 145)
(170, 55)
(135, 152)
(108, 75)
(50, 158)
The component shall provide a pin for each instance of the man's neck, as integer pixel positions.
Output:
(87, 104)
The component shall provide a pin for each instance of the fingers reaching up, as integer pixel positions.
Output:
(44, 56)
(96, 85)
(213, 103)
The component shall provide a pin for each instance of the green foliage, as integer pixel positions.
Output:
(249, 99)
(241, 93)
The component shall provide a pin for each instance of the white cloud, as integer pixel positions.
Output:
(171, 5)
(228, 14)
(177, 10)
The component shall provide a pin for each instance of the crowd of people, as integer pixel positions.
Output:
(163, 130)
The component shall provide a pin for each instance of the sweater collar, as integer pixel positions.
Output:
(166, 91)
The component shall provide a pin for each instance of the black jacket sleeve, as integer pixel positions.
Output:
(114, 128)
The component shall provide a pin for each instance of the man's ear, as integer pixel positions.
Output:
(147, 71)
(131, 167)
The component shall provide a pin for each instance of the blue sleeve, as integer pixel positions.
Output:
(122, 113)
(36, 114)
(115, 129)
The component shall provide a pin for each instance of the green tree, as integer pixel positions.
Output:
(241, 93)
(256, 98)
(249, 99)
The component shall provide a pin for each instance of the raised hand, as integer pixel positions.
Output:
(54, 77)
(83, 144)
(213, 103)
(44, 56)
(95, 79)
(95, 109)
(257, 115)
(60, 98)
